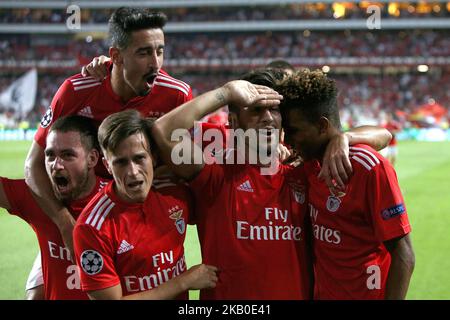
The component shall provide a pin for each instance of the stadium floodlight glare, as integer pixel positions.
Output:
(422, 68)
(326, 69)
(339, 10)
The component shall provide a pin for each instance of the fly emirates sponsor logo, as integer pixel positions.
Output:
(321, 232)
(269, 231)
(62, 253)
(165, 267)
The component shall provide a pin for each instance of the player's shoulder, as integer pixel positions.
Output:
(81, 85)
(164, 187)
(366, 158)
(168, 83)
(98, 211)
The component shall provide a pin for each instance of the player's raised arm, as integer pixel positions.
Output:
(238, 92)
(336, 162)
(198, 277)
(35, 173)
(401, 269)
(376, 137)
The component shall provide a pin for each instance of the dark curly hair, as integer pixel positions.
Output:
(312, 93)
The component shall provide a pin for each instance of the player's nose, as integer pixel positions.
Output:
(58, 164)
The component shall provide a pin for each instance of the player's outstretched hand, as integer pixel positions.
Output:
(336, 166)
(243, 93)
(200, 276)
(96, 68)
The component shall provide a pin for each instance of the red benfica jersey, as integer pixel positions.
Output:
(95, 99)
(251, 227)
(138, 246)
(349, 228)
(61, 277)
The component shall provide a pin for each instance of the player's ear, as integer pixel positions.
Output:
(106, 164)
(323, 125)
(115, 55)
(93, 158)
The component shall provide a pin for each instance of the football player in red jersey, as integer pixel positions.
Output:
(71, 154)
(136, 81)
(129, 238)
(362, 247)
(251, 226)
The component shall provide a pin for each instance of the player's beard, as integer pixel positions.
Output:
(80, 185)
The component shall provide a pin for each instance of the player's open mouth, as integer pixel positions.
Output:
(61, 182)
(150, 78)
(135, 184)
(267, 131)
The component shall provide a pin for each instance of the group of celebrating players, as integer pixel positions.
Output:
(334, 226)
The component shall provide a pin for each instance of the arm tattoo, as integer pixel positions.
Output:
(220, 97)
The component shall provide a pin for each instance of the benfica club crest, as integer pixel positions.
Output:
(334, 200)
(177, 214)
(333, 203)
(299, 192)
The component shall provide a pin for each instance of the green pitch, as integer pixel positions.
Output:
(423, 169)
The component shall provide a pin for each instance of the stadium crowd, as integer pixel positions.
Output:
(363, 97)
(225, 46)
(227, 13)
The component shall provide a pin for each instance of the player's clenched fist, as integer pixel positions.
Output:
(200, 276)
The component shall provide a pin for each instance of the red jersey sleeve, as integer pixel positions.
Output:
(62, 104)
(388, 211)
(185, 98)
(18, 195)
(95, 258)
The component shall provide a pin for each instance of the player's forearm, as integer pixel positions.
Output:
(401, 269)
(191, 111)
(376, 137)
(184, 117)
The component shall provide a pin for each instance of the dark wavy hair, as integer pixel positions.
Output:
(124, 21)
(84, 126)
(121, 125)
